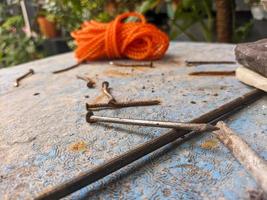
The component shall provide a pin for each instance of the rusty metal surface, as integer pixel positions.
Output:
(45, 140)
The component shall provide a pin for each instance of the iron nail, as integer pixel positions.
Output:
(199, 127)
(31, 72)
(106, 91)
(90, 82)
(123, 104)
(192, 63)
(212, 73)
(132, 64)
(68, 68)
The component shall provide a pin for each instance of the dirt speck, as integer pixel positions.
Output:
(166, 192)
(193, 102)
(210, 144)
(78, 147)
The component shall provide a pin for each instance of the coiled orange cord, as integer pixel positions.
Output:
(118, 39)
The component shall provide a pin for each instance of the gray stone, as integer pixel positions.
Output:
(253, 56)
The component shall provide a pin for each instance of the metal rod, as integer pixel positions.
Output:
(199, 127)
(192, 63)
(245, 155)
(132, 64)
(121, 161)
(67, 69)
(123, 104)
(213, 73)
(106, 91)
(90, 82)
(17, 81)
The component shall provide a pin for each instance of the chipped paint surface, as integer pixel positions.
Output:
(37, 131)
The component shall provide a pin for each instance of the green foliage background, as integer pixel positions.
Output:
(16, 48)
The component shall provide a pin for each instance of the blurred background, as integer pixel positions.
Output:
(34, 29)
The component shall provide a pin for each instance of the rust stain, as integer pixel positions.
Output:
(210, 144)
(166, 192)
(117, 73)
(177, 62)
(78, 147)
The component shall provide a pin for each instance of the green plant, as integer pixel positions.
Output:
(15, 46)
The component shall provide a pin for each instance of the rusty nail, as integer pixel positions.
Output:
(90, 82)
(212, 73)
(68, 68)
(122, 104)
(106, 91)
(31, 72)
(132, 64)
(192, 63)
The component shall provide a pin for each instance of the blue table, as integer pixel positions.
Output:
(45, 139)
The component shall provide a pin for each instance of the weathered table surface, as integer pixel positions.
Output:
(39, 133)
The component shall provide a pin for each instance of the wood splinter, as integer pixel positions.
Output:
(245, 155)
(90, 82)
(132, 64)
(31, 72)
(213, 73)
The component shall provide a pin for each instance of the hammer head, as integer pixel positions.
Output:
(253, 56)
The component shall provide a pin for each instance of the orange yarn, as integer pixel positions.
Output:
(118, 39)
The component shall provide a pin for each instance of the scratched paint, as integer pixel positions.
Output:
(57, 119)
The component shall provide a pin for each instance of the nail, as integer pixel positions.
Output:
(31, 72)
(90, 82)
(67, 69)
(192, 63)
(123, 104)
(213, 73)
(131, 64)
(106, 91)
(91, 118)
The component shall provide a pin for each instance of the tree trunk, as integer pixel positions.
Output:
(224, 17)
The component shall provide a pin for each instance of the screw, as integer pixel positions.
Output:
(90, 82)
(91, 118)
(31, 72)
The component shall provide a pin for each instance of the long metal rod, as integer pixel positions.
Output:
(121, 161)
(199, 127)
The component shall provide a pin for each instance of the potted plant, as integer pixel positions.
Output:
(264, 3)
(257, 9)
(47, 25)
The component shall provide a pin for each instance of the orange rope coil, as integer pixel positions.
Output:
(117, 39)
